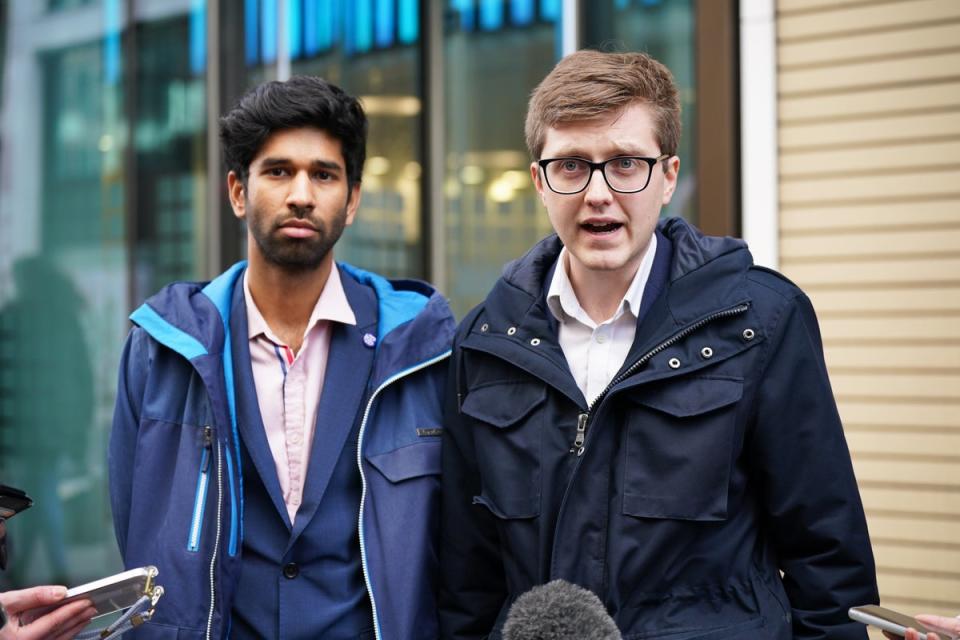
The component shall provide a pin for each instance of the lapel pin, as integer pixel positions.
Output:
(370, 340)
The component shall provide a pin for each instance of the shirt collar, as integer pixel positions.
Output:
(332, 305)
(562, 299)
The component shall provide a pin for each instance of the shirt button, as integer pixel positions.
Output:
(601, 338)
(291, 570)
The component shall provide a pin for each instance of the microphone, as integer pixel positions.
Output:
(559, 610)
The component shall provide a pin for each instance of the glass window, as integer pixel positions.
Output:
(108, 181)
(495, 53)
(665, 30)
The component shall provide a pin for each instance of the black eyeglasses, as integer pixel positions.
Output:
(623, 174)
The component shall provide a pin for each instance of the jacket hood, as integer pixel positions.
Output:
(193, 318)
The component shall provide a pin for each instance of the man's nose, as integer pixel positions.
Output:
(301, 191)
(598, 192)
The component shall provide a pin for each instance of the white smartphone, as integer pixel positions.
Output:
(110, 594)
(890, 620)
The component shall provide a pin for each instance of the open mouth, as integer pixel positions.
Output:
(608, 227)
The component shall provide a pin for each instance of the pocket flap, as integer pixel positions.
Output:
(504, 404)
(412, 461)
(691, 396)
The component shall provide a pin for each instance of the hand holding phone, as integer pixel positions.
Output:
(892, 621)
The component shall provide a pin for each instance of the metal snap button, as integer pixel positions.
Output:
(484, 327)
(291, 570)
(673, 363)
(535, 341)
(511, 331)
(749, 334)
(706, 353)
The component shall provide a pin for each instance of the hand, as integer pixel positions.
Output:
(62, 623)
(937, 623)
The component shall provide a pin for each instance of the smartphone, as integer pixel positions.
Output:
(12, 501)
(890, 620)
(110, 594)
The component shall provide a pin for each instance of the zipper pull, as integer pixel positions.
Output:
(577, 447)
(208, 445)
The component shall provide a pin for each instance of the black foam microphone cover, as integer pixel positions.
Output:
(559, 610)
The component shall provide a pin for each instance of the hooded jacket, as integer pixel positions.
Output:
(176, 481)
(714, 460)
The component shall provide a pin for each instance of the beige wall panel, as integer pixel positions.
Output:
(865, 17)
(851, 76)
(904, 527)
(907, 385)
(870, 103)
(927, 328)
(786, 6)
(880, 244)
(934, 272)
(875, 132)
(871, 414)
(913, 475)
(889, 159)
(912, 500)
(945, 445)
(870, 301)
(913, 184)
(893, 357)
(897, 584)
(886, 44)
(871, 215)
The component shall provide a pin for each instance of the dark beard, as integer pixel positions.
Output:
(296, 254)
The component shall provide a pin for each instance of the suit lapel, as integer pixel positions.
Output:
(344, 390)
(249, 418)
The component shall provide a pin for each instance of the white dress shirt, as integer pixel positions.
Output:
(595, 352)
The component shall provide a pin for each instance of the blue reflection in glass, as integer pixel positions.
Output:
(198, 36)
(111, 41)
(521, 11)
(550, 10)
(465, 9)
(251, 41)
(491, 14)
(268, 34)
(294, 28)
(409, 21)
(385, 23)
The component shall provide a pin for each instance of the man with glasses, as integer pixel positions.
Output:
(639, 410)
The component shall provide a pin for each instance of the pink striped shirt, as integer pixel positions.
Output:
(289, 385)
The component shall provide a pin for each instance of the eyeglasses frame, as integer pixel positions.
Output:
(601, 166)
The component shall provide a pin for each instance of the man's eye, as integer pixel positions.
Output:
(571, 165)
(626, 163)
(277, 172)
(323, 175)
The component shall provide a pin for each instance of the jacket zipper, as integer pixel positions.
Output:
(583, 419)
(203, 483)
(216, 544)
(363, 479)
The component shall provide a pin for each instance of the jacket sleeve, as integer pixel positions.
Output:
(473, 586)
(810, 498)
(123, 435)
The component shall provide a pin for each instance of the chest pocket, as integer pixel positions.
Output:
(508, 435)
(679, 448)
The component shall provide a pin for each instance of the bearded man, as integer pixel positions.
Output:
(276, 440)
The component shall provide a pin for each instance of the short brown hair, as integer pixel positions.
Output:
(589, 84)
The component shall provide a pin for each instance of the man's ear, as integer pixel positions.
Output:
(671, 171)
(353, 202)
(537, 180)
(237, 192)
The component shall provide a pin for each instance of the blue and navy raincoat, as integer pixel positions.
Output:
(176, 481)
(706, 494)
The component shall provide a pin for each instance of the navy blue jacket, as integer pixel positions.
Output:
(176, 479)
(714, 461)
